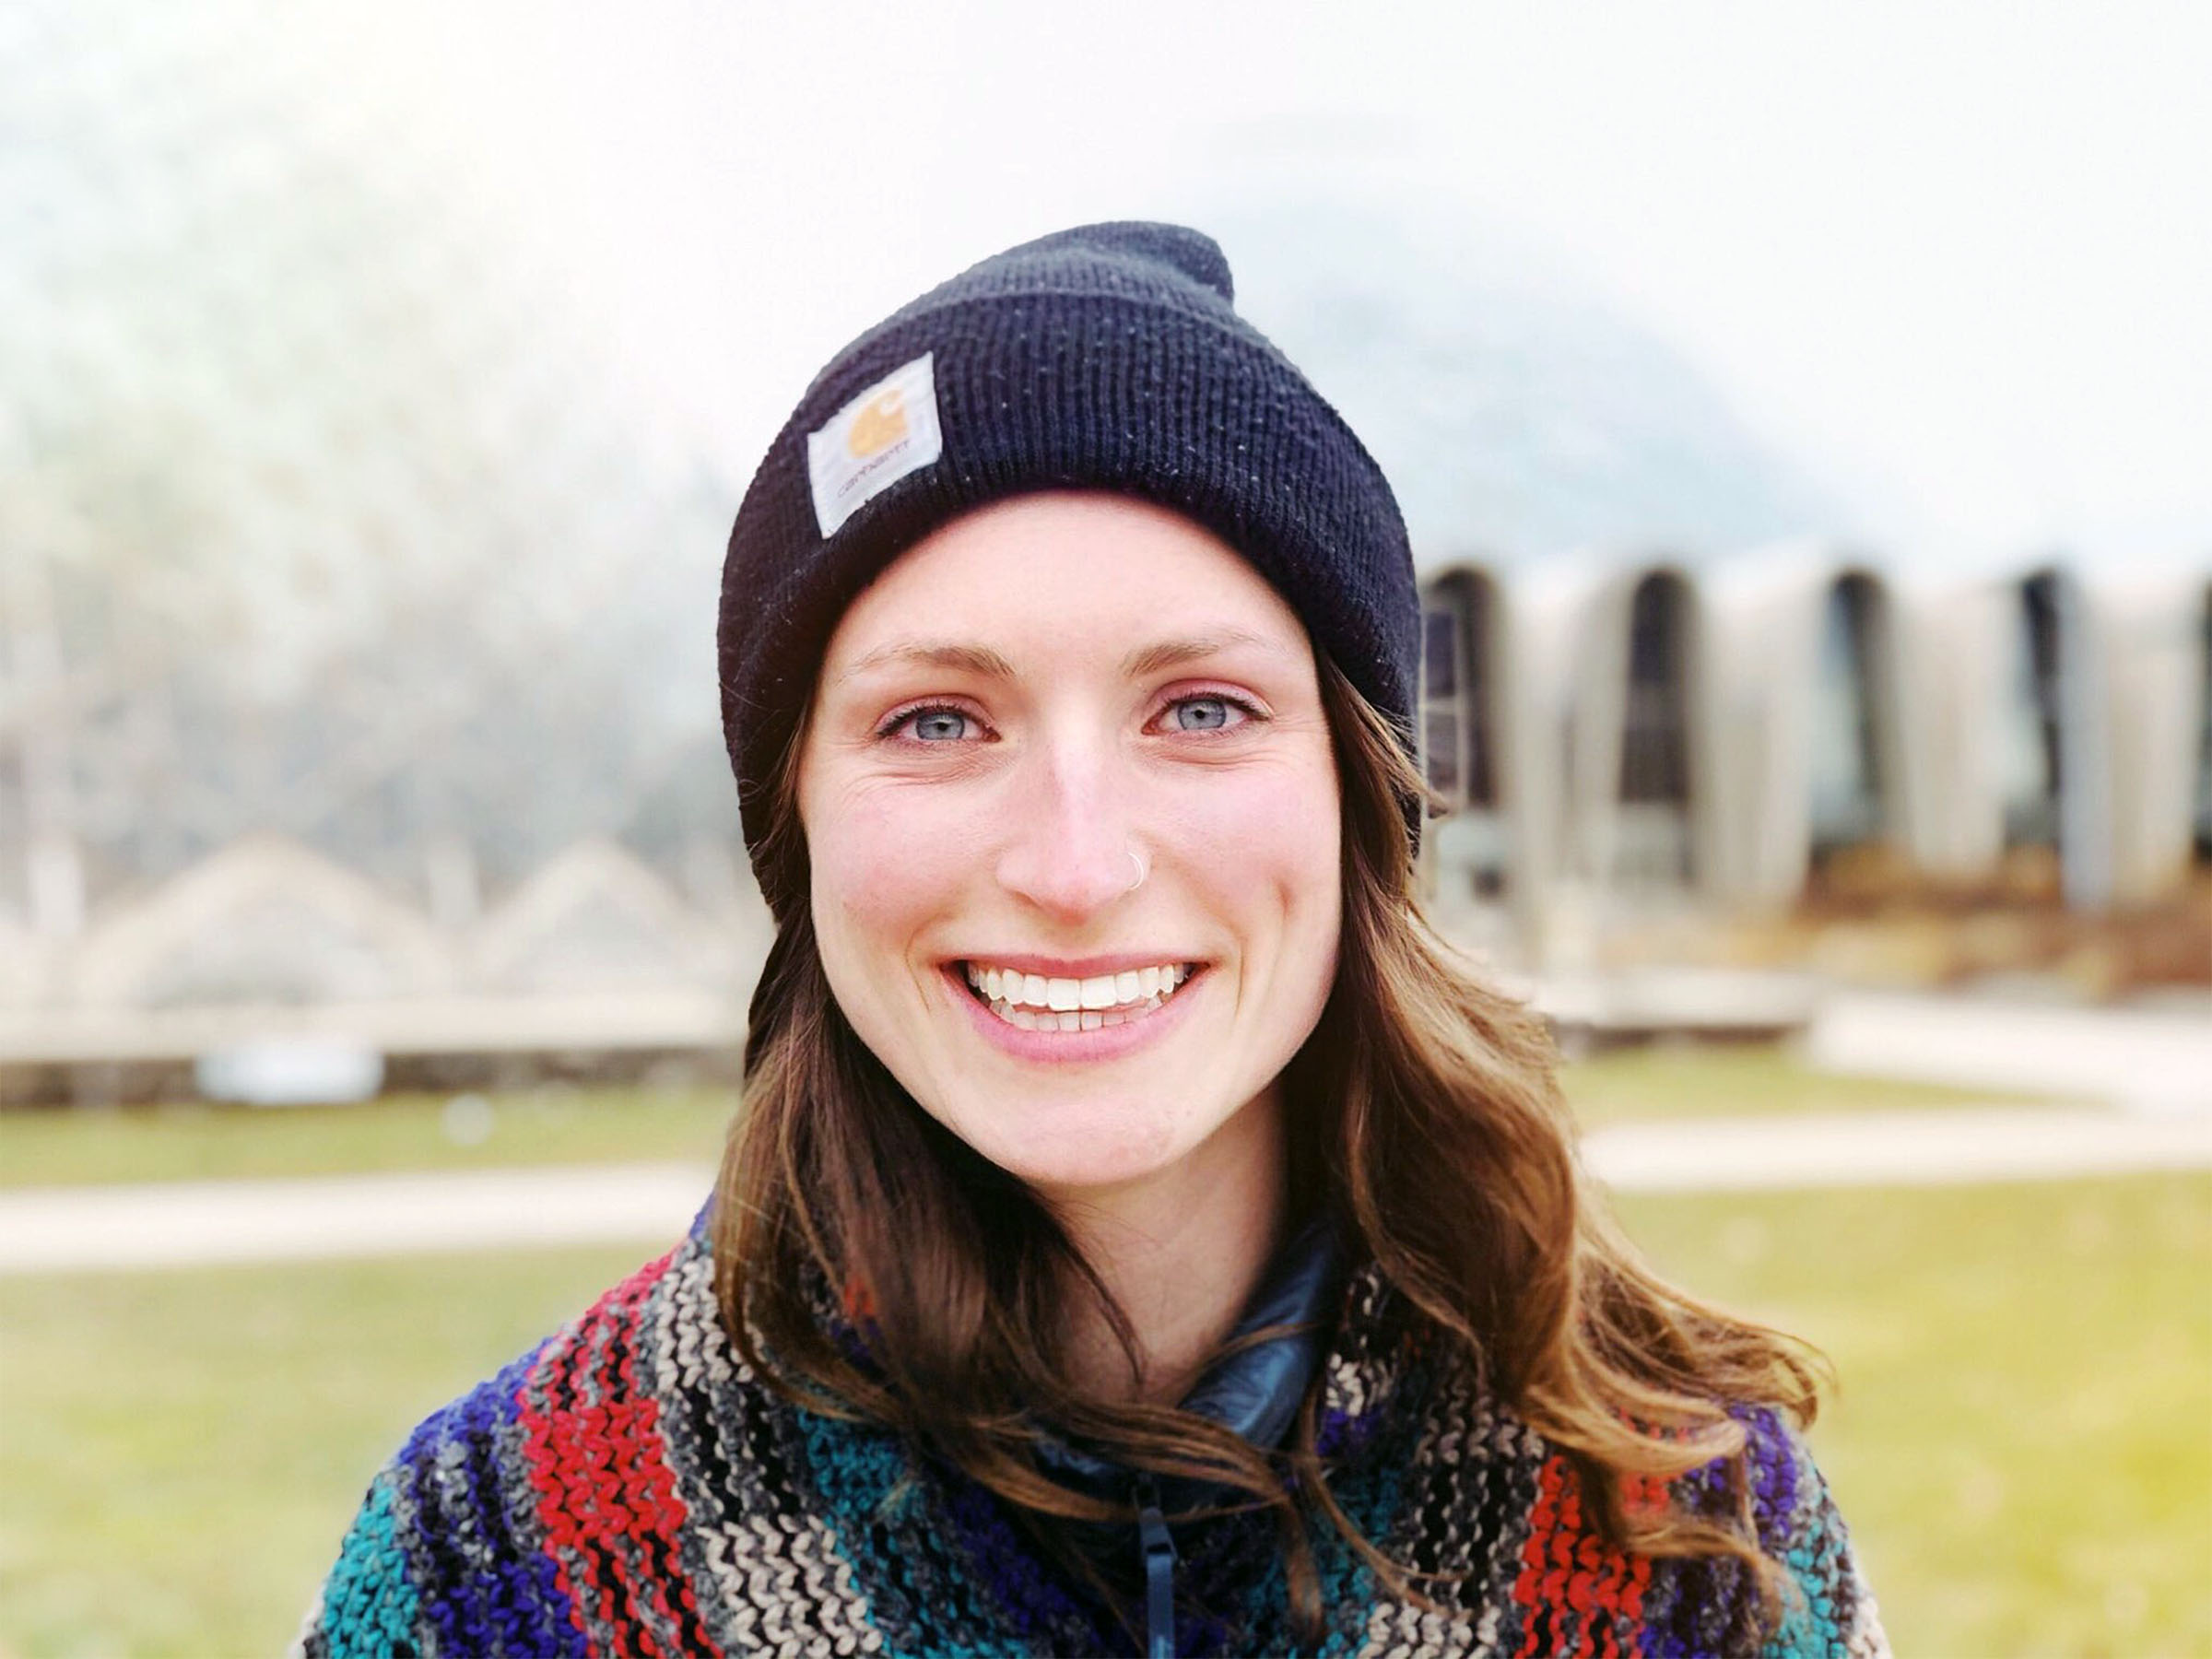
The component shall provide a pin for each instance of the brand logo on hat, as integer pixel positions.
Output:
(878, 426)
(886, 433)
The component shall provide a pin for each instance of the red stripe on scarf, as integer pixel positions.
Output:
(606, 1495)
(1571, 1580)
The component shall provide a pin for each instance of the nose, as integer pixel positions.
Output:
(1066, 844)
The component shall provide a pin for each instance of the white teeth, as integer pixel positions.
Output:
(1069, 995)
(1031, 1001)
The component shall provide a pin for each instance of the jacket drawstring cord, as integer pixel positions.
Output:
(1158, 1546)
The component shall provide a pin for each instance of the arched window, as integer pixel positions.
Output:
(1654, 844)
(2032, 750)
(1456, 679)
(1444, 665)
(1849, 767)
(2202, 840)
(1459, 748)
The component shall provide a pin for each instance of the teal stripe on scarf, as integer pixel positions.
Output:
(368, 1603)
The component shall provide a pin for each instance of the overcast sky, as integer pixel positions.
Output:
(1956, 260)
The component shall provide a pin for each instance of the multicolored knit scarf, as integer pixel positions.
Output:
(630, 1487)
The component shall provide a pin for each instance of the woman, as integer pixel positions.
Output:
(1138, 1233)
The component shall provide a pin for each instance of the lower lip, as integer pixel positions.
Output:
(1072, 1047)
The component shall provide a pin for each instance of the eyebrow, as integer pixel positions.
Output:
(970, 659)
(1174, 653)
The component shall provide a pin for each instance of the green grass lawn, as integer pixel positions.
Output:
(2023, 1437)
(419, 1132)
(180, 1453)
(197, 1141)
(1697, 1080)
(2023, 1444)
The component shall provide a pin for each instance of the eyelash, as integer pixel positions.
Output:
(893, 729)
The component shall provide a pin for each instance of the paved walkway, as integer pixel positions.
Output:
(199, 1223)
(2148, 1061)
(188, 1224)
(1896, 1149)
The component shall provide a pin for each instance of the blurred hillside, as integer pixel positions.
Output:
(315, 517)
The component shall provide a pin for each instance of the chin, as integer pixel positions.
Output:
(1074, 1156)
(1073, 1167)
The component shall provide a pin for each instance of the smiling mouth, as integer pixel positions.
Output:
(1031, 1001)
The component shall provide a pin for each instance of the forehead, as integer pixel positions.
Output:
(1067, 572)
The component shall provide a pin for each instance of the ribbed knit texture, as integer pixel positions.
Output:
(1104, 357)
(630, 1487)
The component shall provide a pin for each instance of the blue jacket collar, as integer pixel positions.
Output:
(1254, 1391)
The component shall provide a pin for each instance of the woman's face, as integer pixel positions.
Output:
(1029, 709)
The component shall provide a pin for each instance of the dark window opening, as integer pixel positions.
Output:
(1457, 733)
(1482, 786)
(2033, 750)
(1654, 749)
(1456, 676)
(1443, 652)
(1849, 785)
(1654, 849)
(2202, 840)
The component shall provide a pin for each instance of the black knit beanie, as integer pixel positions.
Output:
(1103, 358)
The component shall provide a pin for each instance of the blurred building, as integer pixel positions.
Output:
(1630, 737)
(356, 653)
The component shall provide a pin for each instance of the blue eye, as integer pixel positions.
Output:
(1205, 714)
(938, 725)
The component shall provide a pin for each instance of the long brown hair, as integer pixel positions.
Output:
(1424, 1114)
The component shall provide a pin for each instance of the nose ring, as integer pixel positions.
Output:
(1143, 870)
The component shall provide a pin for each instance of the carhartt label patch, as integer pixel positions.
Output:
(886, 432)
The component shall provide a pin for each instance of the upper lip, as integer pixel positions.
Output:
(1088, 967)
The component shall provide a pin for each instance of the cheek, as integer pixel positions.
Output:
(1272, 850)
(1278, 827)
(880, 869)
